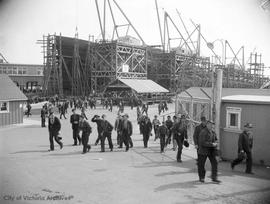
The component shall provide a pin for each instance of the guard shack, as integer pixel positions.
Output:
(238, 106)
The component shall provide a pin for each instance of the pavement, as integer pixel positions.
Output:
(32, 174)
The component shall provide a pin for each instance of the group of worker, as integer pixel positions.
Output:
(175, 130)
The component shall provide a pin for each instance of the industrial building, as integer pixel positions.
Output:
(27, 77)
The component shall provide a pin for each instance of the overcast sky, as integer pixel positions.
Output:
(23, 22)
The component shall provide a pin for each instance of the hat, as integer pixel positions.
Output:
(248, 125)
(186, 144)
(203, 118)
(210, 121)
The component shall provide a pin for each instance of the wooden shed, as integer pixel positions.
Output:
(11, 102)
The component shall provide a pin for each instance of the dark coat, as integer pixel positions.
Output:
(205, 141)
(169, 124)
(99, 123)
(128, 130)
(55, 127)
(107, 127)
(146, 127)
(179, 130)
(196, 133)
(85, 128)
(74, 120)
(245, 142)
(163, 130)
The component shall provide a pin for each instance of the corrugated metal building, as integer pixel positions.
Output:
(238, 107)
(11, 102)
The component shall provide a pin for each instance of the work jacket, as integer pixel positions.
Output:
(245, 142)
(205, 142)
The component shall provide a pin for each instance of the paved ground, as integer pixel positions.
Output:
(31, 174)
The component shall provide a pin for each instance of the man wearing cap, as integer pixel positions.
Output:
(155, 124)
(117, 128)
(126, 132)
(96, 119)
(197, 131)
(180, 133)
(169, 124)
(207, 148)
(245, 143)
(146, 130)
(54, 127)
(86, 131)
(74, 120)
(107, 133)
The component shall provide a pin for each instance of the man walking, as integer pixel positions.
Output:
(96, 119)
(107, 133)
(245, 143)
(146, 131)
(86, 131)
(74, 120)
(163, 131)
(54, 127)
(43, 116)
(180, 134)
(207, 148)
(126, 131)
(197, 132)
(169, 124)
(156, 124)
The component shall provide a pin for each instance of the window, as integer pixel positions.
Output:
(4, 107)
(233, 118)
(15, 70)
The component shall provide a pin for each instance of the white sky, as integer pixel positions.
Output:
(23, 22)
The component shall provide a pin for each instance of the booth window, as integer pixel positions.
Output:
(233, 118)
(4, 107)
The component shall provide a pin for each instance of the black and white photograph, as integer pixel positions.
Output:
(134, 101)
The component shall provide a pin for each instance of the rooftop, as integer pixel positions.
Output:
(9, 91)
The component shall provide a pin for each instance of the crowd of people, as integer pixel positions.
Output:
(168, 131)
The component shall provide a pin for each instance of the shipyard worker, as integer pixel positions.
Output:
(169, 124)
(62, 110)
(43, 116)
(197, 131)
(83, 113)
(74, 120)
(180, 132)
(207, 148)
(117, 128)
(126, 132)
(245, 143)
(163, 132)
(54, 127)
(86, 131)
(96, 119)
(156, 124)
(107, 133)
(146, 130)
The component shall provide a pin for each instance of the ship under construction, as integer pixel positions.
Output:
(77, 67)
